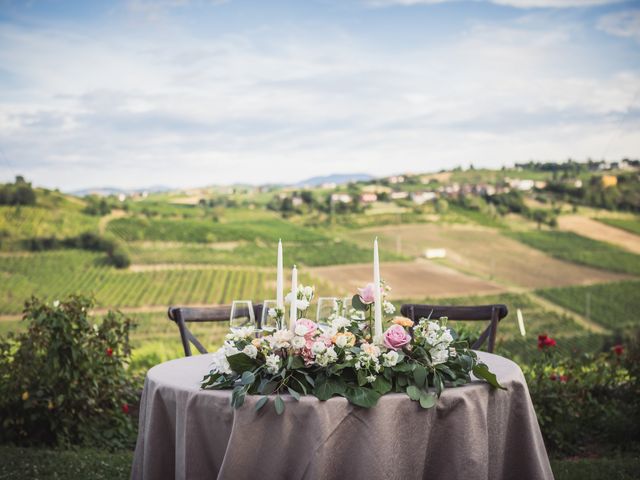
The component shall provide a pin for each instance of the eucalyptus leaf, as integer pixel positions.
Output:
(481, 370)
(279, 405)
(293, 393)
(427, 400)
(420, 375)
(261, 403)
(247, 378)
(413, 392)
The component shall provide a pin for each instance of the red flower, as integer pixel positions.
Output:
(125, 408)
(109, 352)
(564, 378)
(553, 377)
(545, 341)
(618, 349)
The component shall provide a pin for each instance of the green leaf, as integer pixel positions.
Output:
(381, 385)
(413, 392)
(279, 404)
(481, 370)
(362, 397)
(268, 388)
(356, 302)
(247, 378)
(240, 362)
(427, 400)
(420, 375)
(261, 403)
(362, 378)
(438, 383)
(293, 393)
(295, 363)
(329, 387)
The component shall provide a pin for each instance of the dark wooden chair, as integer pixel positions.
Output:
(493, 313)
(182, 315)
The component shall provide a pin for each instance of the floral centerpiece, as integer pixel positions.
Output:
(345, 359)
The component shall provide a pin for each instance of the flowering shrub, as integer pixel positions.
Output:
(585, 400)
(63, 381)
(343, 360)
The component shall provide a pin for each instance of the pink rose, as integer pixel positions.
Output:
(396, 337)
(368, 293)
(307, 328)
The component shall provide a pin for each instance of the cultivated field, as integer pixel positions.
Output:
(598, 230)
(487, 254)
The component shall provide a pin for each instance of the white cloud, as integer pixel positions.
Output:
(510, 3)
(624, 24)
(105, 108)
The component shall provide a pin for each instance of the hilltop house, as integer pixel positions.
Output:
(368, 197)
(422, 197)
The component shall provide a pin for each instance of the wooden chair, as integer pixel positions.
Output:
(182, 315)
(494, 313)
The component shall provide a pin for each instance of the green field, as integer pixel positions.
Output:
(632, 226)
(56, 274)
(578, 249)
(613, 305)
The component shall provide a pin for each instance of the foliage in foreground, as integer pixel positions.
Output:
(584, 401)
(64, 380)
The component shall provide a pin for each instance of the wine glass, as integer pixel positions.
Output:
(269, 322)
(345, 306)
(327, 310)
(242, 315)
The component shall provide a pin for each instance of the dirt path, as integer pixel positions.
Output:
(102, 224)
(599, 231)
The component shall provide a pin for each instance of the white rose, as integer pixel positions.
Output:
(272, 313)
(439, 355)
(301, 330)
(318, 348)
(308, 292)
(446, 336)
(250, 351)
(281, 339)
(342, 341)
(390, 358)
(298, 342)
(230, 349)
(302, 304)
(340, 322)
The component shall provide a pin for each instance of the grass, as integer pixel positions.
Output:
(632, 226)
(49, 464)
(37, 221)
(578, 249)
(613, 305)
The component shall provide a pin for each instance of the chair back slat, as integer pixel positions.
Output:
(221, 313)
(493, 313)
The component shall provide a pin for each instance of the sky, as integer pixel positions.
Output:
(187, 93)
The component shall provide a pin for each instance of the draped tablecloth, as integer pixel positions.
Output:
(474, 432)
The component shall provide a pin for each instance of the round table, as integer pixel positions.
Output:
(474, 432)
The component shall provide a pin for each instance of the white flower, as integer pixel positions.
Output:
(219, 362)
(329, 356)
(388, 308)
(318, 348)
(229, 349)
(371, 349)
(308, 292)
(273, 363)
(298, 342)
(301, 330)
(288, 298)
(390, 358)
(348, 357)
(272, 313)
(241, 333)
(56, 303)
(302, 304)
(452, 352)
(342, 341)
(446, 336)
(281, 339)
(340, 322)
(439, 355)
(371, 378)
(250, 351)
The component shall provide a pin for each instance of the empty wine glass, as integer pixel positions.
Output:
(269, 320)
(328, 309)
(242, 315)
(345, 306)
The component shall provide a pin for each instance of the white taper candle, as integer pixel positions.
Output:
(280, 279)
(377, 332)
(294, 299)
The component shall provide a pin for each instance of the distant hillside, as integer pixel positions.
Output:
(336, 178)
(106, 191)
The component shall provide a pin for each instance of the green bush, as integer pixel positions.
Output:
(64, 380)
(587, 401)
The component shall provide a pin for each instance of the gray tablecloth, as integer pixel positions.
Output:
(473, 433)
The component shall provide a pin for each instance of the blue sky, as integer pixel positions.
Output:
(190, 93)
